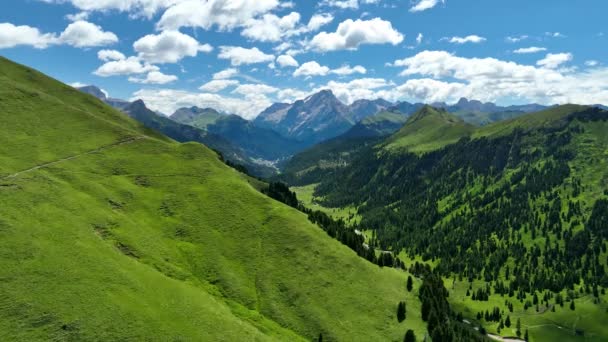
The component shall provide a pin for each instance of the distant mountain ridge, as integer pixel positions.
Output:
(256, 142)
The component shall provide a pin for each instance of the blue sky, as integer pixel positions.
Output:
(171, 53)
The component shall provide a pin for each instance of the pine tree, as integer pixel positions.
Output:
(410, 283)
(572, 307)
(508, 322)
(518, 328)
(401, 312)
(410, 336)
(526, 336)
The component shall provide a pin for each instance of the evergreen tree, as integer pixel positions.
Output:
(518, 328)
(508, 322)
(410, 283)
(410, 336)
(572, 307)
(526, 336)
(401, 312)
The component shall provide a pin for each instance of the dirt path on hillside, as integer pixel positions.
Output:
(103, 148)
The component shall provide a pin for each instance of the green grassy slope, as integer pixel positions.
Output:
(427, 130)
(124, 235)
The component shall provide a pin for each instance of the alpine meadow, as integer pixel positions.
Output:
(275, 170)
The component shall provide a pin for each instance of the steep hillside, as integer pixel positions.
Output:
(113, 232)
(380, 124)
(429, 129)
(317, 118)
(514, 215)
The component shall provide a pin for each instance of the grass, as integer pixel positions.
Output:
(154, 240)
(306, 195)
(427, 130)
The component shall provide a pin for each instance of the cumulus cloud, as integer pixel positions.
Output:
(79, 34)
(271, 28)
(311, 69)
(225, 14)
(128, 66)
(319, 20)
(215, 86)
(447, 77)
(347, 70)
(343, 4)
(239, 55)
(531, 49)
(468, 39)
(168, 47)
(154, 77)
(554, 60)
(84, 34)
(358, 89)
(351, 34)
(287, 61)
(423, 5)
(247, 89)
(110, 55)
(11, 36)
(419, 38)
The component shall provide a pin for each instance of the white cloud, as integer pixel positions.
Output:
(225, 14)
(129, 66)
(363, 88)
(287, 61)
(271, 28)
(146, 8)
(555, 34)
(168, 47)
(516, 39)
(77, 16)
(347, 70)
(351, 34)
(169, 100)
(592, 63)
(319, 20)
(85, 34)
(419, 38)
(154, 77)
(239, 55)
(490, 79)
(531, 49)
(249, 89)
(554, 60)
(110, 55)
(225, 74)
(468, 39)
(78, 34)
(343, 4)
(423, 5)
(11, 36)
(215, 86)
(311, 69)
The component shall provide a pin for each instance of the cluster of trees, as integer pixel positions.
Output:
(442, 323)
(477, 204)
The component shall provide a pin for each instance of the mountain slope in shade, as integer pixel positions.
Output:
(113, 232)
(256, 142)
(362, 109)
(319, 117)
(381, 124)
